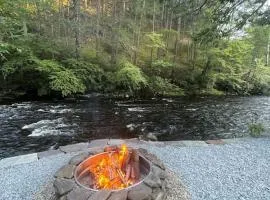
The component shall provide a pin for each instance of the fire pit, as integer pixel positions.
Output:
(113, 173)
(114, 169)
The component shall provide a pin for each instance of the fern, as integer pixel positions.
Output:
(66, 83)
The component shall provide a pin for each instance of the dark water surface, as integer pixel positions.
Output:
(28, 127)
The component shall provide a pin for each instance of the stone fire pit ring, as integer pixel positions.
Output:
(152, 187)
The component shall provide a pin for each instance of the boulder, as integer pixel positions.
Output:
(100, 195)
(152, 180)
(79, 194)
(63, 186)
(151, 136)
(78, 158)
(140, 192)
(120, 195)
(66, 171)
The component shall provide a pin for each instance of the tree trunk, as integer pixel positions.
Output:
(151, 56)
(113, 36)
(77, 4)
(139, 34)
(25, 32)
(177, 40)
(97, 27)
(162, 15)
(154, 16)
(268, 51)
(153, 30)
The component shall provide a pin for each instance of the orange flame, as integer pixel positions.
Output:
(109, 173)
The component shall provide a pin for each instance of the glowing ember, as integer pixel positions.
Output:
(118, 170)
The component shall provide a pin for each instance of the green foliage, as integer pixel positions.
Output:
(199, 54)
(260, 79)
(90, 74)
(231, 68)
(16, 59)
(130, 77)
(66, 83)
(162, 68)
(49, 66)
(4, 50)
(154, 40)
(256, 129)
(160, 86)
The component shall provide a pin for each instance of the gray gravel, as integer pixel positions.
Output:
(238, 171)
(176, 188)
(21, 182)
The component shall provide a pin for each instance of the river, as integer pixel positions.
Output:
(27, 127)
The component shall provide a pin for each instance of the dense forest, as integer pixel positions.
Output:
(134, 47)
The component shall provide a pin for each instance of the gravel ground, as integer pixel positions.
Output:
(177, 190)
(238, 171)
(21, 182)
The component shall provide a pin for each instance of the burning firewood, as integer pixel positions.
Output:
(111, 148)
(118, 168)
(135, 172)
(128, 172)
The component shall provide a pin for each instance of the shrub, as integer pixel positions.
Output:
(256, 129)
(160, 86)
(66, 83)
(58, 79)
(162, 68)
(91, 74)
(130, 77)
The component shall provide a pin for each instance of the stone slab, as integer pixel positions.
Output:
(63, 186)
(215, 142)
(175, 143)
(100, 195)
(191, 143)
(75, 160)
(115, 142)
(17, 160)
(67, 171)
(152, 180)
(44, 154)
(155, 143)
(232, 140)
(95, 150)
(79, 194)
(140, 192)
(98, 143)
(120, 195)
(132, 140)
(74, 147)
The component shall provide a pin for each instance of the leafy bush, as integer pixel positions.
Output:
(230, 83)
(59, 78)
(91, 74)
(256, 129)
(260, 80)
(66, 83)
(162, 68)
(130, 77)
(160, 86)
(49, 66)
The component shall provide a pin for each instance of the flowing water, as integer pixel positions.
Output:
(28, 127)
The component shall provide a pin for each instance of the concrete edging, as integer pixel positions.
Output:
(78, 147)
